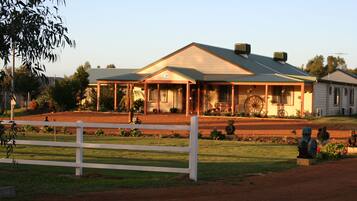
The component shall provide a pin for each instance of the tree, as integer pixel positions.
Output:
(335, 62)
(32, 31)
(315, 66)
(354, 71)
(26, 82)
(80, 79)
(87, 65)
(111, 66)
(63, 94)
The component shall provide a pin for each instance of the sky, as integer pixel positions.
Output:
(134, 33)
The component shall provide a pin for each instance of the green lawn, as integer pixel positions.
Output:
(218, 160)
(336, 120)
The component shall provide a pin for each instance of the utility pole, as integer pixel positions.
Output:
(12, 102)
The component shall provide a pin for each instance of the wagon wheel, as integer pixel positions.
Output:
(253, 105)
(282, 113)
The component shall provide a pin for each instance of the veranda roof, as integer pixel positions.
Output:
(193, 74)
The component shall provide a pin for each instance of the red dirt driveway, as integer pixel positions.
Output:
(330, 181)
(245, 126)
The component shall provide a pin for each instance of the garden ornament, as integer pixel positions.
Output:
(323, 136)
(352, 141)
(230, 128)
(307, 146)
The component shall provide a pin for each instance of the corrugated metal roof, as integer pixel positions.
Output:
(99, 73)
(248, 78)
(348, 73)
(255, 63)
(125, 77)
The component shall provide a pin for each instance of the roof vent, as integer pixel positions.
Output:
(280, 56)
(242, 48)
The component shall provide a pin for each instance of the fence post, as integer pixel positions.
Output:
(79, 149)
(193, 148)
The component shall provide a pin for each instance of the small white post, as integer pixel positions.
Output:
(193, 148)
(79, 149)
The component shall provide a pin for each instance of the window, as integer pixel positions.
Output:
(330, 90)
(223, 92)
(152, 94)
(352, 96)
(346, 92)
(336, 96)
(283, 95)
(163, 95)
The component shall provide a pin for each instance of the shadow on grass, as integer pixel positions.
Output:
(34, 181)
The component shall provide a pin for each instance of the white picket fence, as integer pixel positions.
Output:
(192, 149)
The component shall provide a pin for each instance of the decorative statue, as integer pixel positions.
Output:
(323, 136)
(307, 146)
(352, 141)
(230, 128)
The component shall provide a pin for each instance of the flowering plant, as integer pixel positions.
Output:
(332, 151)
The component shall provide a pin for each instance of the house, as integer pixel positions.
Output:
(202, 79)
(335, 94)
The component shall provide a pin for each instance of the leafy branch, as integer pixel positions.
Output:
(8, 138)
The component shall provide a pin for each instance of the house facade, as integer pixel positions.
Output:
(202, 79)
(335, 94)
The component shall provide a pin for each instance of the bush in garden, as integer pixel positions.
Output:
(107, 98)
(135, 132)
(47, 129)
(99, 132)
(174, 110)
(29, 129)
(33, 105)
(64, 94)
(44, 102)
(8, 138)
(200, 136)
(323, 136)
(124, 132)
(217, 135)
(332, 151)
(138, 105)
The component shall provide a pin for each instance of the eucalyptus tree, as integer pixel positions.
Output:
(31, 31)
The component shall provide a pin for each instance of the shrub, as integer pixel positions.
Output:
(138, 105)
(64, 94)
(44, 102)
(99, 132)
(323, 136)
(47, 129)
(200, 136)
(217, 135)
(29, 129)
(241, 114)
(174, 110)
(33, 105)
(332, 151)
(65, 130)
(135, 132)
(124, 132)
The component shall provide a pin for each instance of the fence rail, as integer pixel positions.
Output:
(192, 149)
